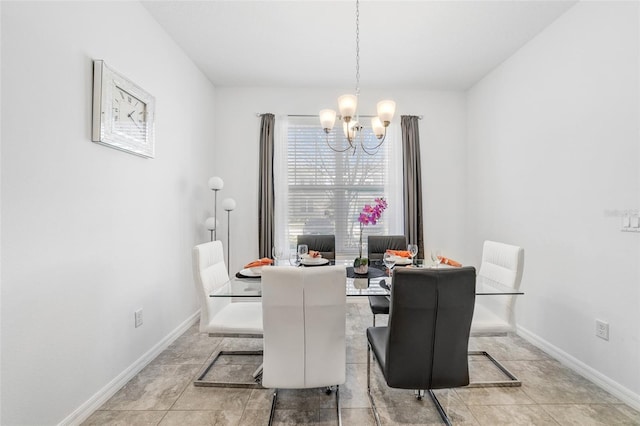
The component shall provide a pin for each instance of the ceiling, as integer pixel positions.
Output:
(403, 44)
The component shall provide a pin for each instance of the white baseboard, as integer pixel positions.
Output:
(614, 388)
(85, 410)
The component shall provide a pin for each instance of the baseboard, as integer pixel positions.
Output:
(614, 388)
(85, 410)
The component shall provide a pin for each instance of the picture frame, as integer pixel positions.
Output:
(123, 113)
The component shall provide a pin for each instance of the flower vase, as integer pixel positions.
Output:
(361, 264)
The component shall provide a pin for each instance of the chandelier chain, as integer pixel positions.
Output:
(357, 47)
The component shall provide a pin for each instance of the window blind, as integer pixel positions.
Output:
(327, 190)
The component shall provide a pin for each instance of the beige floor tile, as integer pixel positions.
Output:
(163, 393)
(504, 415)
(156, 387)
(588, 414)
(212, 398)
(202, 418)
(629, 412)
(252, 417)
(549, 382)
(494, 396)
(350, 417)
(124, 418)
(192, 348)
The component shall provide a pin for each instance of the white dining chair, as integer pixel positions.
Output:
(502, 266)
(218, 315)
(304, 315)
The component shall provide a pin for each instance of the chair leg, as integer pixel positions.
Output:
(338, 405)
(441, 411)
(273, 406)
(252, 385)
(257, 375)
(373, 404)
(374, 320)
(512, 382)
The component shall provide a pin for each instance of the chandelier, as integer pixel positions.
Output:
(347, 105)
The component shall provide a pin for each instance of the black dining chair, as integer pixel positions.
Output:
(377, 246)
(424, 347)
(325, 244)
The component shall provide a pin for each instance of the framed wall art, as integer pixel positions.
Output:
(123, 112)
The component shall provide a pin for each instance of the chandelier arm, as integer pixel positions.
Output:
(375, 149)
(372, 152)
(339, 150)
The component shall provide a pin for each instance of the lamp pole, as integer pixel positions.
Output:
(228, 204)
(215, 184)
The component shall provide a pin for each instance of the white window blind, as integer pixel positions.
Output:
(326, 190)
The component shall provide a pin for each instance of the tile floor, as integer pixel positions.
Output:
(163, 392)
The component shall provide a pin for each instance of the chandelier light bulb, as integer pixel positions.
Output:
(347, 105)
(351, 129)
(377, 127)
(386, 110)
(327, 119)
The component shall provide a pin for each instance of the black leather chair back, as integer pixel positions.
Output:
(325, 244)
(378, 245)
(429, 325)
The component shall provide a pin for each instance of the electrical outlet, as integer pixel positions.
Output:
(138, 317)
(602, 329)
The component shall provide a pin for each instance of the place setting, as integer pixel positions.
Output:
(310, 257)
(254, 269)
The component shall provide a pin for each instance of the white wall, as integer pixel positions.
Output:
(442, 139)
(553, 152)
(91, 234)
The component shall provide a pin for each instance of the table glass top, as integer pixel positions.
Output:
(251, 287)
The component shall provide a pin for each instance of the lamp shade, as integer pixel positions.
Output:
(327, 119)
(350, 129)
(386, 110)
(211, 223)
(347, 105)
(229, 204)
(377, 127)
(216, 183)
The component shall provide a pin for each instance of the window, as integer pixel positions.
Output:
(326, 190)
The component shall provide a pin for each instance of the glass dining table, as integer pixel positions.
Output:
(373, 284)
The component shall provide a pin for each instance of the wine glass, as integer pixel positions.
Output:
(294, 259)
(277, 253)
(303, 249)
(389, 261)
(436, 257)
(413, 251)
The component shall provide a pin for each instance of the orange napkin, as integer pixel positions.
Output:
(313, 253)
(400, 253)
(260, 262)
(450, 262)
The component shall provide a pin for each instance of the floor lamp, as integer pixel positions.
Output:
(228, 204)
(212, 224)
(215, 184)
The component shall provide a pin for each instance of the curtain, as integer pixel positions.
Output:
(413, 226)
(281, 191)
(265, 196)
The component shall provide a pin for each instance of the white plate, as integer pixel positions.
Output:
(249, 273)
(315, 261)
(403, 260)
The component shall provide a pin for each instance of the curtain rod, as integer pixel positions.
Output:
(259, 114)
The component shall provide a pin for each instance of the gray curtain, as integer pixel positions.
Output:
(266, 198)
(412, 177)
